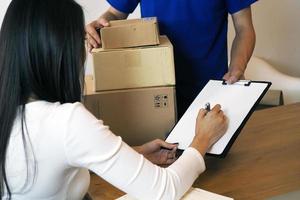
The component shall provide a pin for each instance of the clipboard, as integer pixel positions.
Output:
(191, 194)
(238, 101)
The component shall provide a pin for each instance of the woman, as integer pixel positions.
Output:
(48, 139)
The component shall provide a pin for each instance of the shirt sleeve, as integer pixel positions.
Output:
(125, 6)
(234, 6)
(90, 144)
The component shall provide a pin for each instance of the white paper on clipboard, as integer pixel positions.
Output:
(192, 194)
(236, 100)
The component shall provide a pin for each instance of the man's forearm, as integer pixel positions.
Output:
(113, 14)
(244, 41)
(242, 49)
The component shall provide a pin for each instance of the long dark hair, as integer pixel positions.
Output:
(41, 56)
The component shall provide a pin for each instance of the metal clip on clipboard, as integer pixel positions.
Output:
(240, 82)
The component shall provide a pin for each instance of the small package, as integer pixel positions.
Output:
(130, 33)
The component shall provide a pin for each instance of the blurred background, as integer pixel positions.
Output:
(276, 23)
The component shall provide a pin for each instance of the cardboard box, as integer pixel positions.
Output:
(137, 115)
(271, 99)
(134, 67)
(130, 33)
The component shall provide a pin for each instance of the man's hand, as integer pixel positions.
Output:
(93, 38)
(233, 75)
(158, 152)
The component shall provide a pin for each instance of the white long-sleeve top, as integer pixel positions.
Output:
(65, 140)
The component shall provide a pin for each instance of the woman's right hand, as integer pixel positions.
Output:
(210, 127)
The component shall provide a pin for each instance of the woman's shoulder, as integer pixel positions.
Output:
(55, 110)
(59, 115)
(69, 107)
(69, 110)
(75, 111)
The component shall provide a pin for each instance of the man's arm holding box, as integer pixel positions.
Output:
(93, 37)
(242, 46)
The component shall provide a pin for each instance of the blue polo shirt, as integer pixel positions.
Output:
(198, 31)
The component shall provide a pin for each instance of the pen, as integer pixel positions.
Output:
(207, 107)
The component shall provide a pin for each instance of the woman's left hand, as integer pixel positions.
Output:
(158, 152)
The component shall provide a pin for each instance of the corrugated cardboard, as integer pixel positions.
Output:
(137, 115)
(134, 67)
(130, 33)
(272, 98)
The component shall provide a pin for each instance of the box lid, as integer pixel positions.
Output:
(164, 42)
(114, 23)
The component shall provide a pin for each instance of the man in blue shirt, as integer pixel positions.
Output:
(198, 31)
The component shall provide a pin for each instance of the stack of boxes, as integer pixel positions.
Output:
(132, 89)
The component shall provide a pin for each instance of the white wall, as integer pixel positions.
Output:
(3, 6)
(278, 34)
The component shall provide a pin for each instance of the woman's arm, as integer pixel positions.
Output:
(90, 144)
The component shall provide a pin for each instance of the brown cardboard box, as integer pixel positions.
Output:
(271, 99)
(134, 67)
(137, 115)
(130, 33)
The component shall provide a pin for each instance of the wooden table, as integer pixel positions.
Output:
(263, 162)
